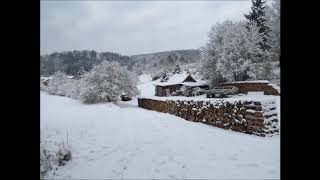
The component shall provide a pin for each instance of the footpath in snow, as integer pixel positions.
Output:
(123, 141)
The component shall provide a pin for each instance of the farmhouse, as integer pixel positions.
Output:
(175, 82)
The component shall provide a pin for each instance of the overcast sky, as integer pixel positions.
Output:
(132, 27)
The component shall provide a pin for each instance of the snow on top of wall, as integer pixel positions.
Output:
(256, 81)
(199, 83)
(261, 98)
(45, 78)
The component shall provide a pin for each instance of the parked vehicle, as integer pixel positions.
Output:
(222, 91)
(125, 97)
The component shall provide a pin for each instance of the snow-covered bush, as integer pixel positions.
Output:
(106, 82)
(196, 91)
(46, 162)
(72, 87)
(184, 91)
(42, 86)
(49, 160)
(56, 85)
(63, 155)
(61, 85)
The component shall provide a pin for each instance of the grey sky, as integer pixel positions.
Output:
(132, 27)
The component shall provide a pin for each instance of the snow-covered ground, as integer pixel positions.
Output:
(123, 141)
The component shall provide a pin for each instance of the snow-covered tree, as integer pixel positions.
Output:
(273, 20)
(177, 69)
(72, 88)
(231, 51)
(106, 82)
(257, 16)
(208, 66)
(164, 75)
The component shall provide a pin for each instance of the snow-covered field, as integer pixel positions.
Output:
(123, 141)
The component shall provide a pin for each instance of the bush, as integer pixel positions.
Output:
(55, 86)
(63, 155)
(106, 82)
(42, 86)
(46, 162)
(184, 90)
(72, 87)
(49, 160)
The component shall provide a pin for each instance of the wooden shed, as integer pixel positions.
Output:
(175, 82)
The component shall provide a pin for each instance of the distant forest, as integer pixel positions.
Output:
(78, 62)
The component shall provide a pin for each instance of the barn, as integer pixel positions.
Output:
(175, 82)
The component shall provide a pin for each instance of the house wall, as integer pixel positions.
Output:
(251, 117)
(161, 90)
(158, 91)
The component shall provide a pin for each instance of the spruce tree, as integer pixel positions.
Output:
(257, 16)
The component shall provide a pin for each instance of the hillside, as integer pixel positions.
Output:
(149, 63)
(73, 62)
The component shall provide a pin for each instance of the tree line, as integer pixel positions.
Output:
(78, 62)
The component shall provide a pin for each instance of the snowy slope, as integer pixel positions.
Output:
(145, 85)
(114, 141)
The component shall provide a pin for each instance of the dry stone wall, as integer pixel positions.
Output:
(251, 117)
(245, 87)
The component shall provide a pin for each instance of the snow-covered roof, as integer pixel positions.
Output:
(178, 79)
(175, 79)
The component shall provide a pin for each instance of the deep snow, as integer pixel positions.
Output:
(123, 141)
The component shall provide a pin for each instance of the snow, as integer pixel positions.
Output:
(261, 98)
(45, 78)
(145, 78)
(250, 110)
(255, 93)
(123, 141)
(145, 85)
(198, 83)
(256, 81)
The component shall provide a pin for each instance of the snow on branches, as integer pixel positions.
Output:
(106, 82)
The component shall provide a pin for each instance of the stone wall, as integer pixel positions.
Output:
(245, 87)
(242, 116)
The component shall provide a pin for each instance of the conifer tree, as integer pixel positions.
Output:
(257, 16)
